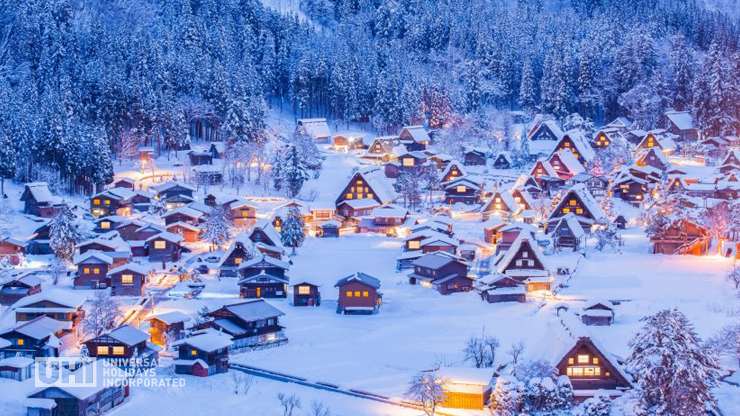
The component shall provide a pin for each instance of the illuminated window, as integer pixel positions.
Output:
(579, 211)
(572, 202)
(566, 210)
(359, 182)
(105, 225)
(238, 260)
(498, 199)
(498, 206)
(86, 270)
(408, 162)
(596, 360)
(592, 371)
(349, 293)
(304, 290)
(193, 352)
(103, 350)
(96, 201)
(359, 196)
(583, 359)
(118, 350)
(413, 245)
(369, 196)
(364, 294)
(160, 245)
(567, 144)
(571, 361)
(127, 278)
(96, 270)
(461, 188)
(349, 196)
(357, 293)
(245, 213)
(20, 341)
(107, 202)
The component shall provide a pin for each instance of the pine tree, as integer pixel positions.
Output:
(217, 228)
(64, 234)
(681, 67)
(294, 173)
(675, 373)
(505, 399)
(527, 87)
(291, 233)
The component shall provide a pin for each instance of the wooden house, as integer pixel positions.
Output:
(166, 327)
(218, 150)
(13, 250)
(203, 355)
(465, 190)
(491, 230)
(108, 223)
(189, 232)
(62, 305)
(732, 159)
(502, 288)
(382, 149)
(128, 183)
(17, 368)
(122, 346)
(430, 241)
(263, 277)
(502, 203)
(542, 169)
(683, 237)
(92, 270)
(452, 171)
(508, 234)
(39, 201)
(598, 312)
(306, 294)
(169, 191)
(660, 139)
(654, 157)
(523, 198)
(366, 184)
(680, 124)
(38, 337)
(243, 213)
(408, 161)
(344, 142)
(239, 251)
(569, 347)
(524, 261)
(204, 157)
(582, 204)
(543, 137)
(567, 233)
(596, 184)
(38, 242)
(414, 138)
(629, 187)
(330, 228)
(503, 160)
(475, 156)
(620, 222)
(316, 128)
(116, 201)
(359, 293)
(565, 164)
(128, 280)
(442, 273)
(620, 123)
(111, 244)
(466, 388)
(250, 324)
(184, 214)
(164, 247)
(13, 290)
(266, 239)
(575, 142)
(86, 400)
(385, 219)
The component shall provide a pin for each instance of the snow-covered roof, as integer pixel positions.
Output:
(468, 181)
(168, 236)
(111, 239)
(375, 178)
(595, 302)
(361, 203)
(549, 170)
(588, 201)
(58, 296)
(506, 198)
(433, 261)
(681, 119)
(17, 362)
(317, 128)
(129, 335)
(92, 255)
(241, 239)
(105, 374)
(455, 164)
(466, 375)
(253, 310)
(579, 139)
(569, 161)
(262, 257)
(656, 152)
(39, 328)
(390, 210)
(181, 224)
(167, 185)
(184, 210)
(134, 267)
(360, 277)
(171, 317)
(571, 221)
(417, 133)
(511, 253)
(41, 192)
(207, 342)
(266, 227)
(331, 223)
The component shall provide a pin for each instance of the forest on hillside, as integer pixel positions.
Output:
(86, 82)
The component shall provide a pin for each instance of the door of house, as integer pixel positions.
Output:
(259, 292)
(310, 301)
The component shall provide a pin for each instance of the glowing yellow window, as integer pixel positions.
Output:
(571, 361)
(357, 293)
(160, 245)
(105, 225)
(461, 188)
(22, 341)
(572, 202)
(193, 352)
(359, 196)
(364, 294)
(369, 195)
(566, 210)
(583, 359)
(245, 213)
(86, 270)
(304, 290)
(118, 350)
(107, 202)
(359, 182)
(349, 293)
(567, 144)
(408, 162)
(238, 260)
(498, 206)
(103, 350)
(596, 360)
(96, 201)
(349, 196)
(498, 199)
(96, 270)
(127, 278)
(579, 211)
(413, 245)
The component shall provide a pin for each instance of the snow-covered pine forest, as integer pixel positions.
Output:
(86, 82)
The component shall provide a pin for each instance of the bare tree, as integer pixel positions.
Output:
(481, 351)
(102, 314)
(318, 409)
(515, 351)
(734, 276)
(242, 382)
(289, 403)
(428, 389)
(58, 267)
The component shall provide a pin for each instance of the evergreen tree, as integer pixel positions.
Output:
(294, 173)
(291, 233)
(675, 373)
(527, 88)
(217, 228)
(64, 234)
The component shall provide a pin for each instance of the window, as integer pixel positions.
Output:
(571, 361)
(359, 196)
(238, 260)
(86, 270)
(193, 352)
(349, 195)
(579, 211)
(572, 202)
(105, 225)
(525, 254)
(583, 359)
(96, 270)
(96, 201)
(519, 263)
(349, 293)
(117, 350)
(19, 341)
(461, 188)
(127, 278)
(365, 294)
(408, 162)
(245, 214)
(357, 293)
(107, 202)
(596, 360)
(359, 182)
(413, 245)
(566, 210)
(304, 290)
(160, 245)
(369, 196)
(103, 350)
